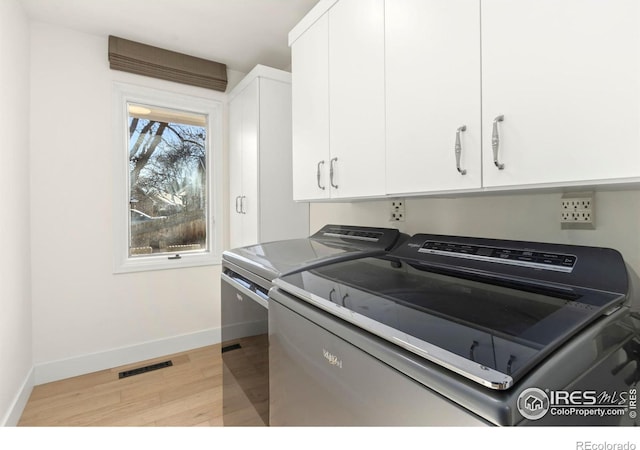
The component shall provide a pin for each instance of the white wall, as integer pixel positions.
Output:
(526, 216)
(15, 291)
(84, 317)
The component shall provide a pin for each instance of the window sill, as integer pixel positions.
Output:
(163, 262)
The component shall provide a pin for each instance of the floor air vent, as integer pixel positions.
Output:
(139, 370)
(231, 347)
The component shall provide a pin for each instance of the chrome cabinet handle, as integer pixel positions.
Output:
(237, 200)
(320, 164)
(458, 149)
(242, 210)
(333, 160)
(333, 291)
(495, 141)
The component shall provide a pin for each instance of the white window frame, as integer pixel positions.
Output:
(125, 93)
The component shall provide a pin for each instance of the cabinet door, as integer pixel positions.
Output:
(356, 88)
(310, 112)
(243, 167)
(432, 90)
(565, 76)
(235, 171)
(250, 149)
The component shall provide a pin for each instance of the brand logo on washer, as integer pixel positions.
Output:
(533, 403)
(333, 359)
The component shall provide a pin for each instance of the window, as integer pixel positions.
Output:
(168, 180)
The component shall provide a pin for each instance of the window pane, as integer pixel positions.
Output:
(167, 173)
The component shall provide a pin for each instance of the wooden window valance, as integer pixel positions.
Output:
(142, 59)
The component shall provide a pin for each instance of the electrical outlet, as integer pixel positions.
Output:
(397, 211)
(577, 211)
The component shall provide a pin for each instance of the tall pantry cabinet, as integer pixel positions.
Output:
(260, 171)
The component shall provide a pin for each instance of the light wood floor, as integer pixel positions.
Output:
(187, 394)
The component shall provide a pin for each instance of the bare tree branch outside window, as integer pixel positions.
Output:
(167, 172)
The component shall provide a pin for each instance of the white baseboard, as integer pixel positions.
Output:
(17, 407)
(93, 362)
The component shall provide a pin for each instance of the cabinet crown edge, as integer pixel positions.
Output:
(260, 71)
(312, 16)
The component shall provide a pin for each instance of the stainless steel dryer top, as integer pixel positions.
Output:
(329, 244)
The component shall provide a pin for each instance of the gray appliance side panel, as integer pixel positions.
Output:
(319, 379)
(241, 315)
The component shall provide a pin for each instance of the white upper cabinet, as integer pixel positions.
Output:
(356, 93)
(338, 103)
(407, 97)
(432, 95)
(310, 103)
(564, 76)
